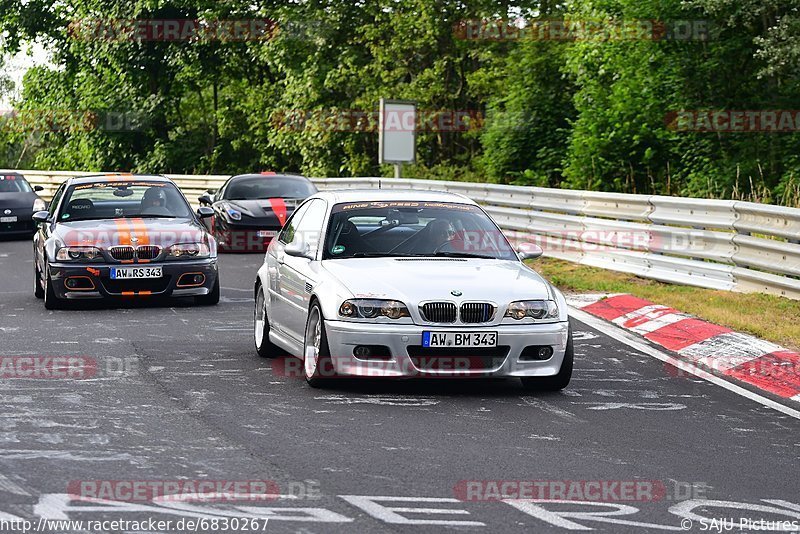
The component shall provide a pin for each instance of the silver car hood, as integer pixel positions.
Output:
(416, 280)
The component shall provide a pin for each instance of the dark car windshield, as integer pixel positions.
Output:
(264, 187)
(374, 229)
(115, 200)
(10, 183)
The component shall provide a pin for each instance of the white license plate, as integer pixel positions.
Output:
(124, 273)
(8, 219)
(459, 339)
(266, 233)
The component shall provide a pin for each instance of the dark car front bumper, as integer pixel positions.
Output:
(24, 225)
(244, 237)
(94, 280)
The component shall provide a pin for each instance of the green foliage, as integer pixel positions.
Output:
(589, 113)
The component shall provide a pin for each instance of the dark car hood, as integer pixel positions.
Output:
(112, 232)
(16, 201)
(272, 208)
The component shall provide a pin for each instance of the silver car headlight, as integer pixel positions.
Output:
(188, 251)
(78, 253)
(372, 309)
(534, 309)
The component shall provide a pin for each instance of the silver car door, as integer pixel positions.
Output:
(280, 287)
(296, 273)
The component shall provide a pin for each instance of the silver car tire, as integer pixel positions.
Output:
(264, 347)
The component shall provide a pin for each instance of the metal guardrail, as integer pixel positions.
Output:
(717, 244)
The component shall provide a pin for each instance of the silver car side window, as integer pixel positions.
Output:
(288, 233)
(310, 227)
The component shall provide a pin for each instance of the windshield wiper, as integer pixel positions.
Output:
(461, 255)
(380, 255)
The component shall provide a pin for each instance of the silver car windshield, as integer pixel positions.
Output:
(379, 229)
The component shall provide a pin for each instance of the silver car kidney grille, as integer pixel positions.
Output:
(477, 312)
(439, 312)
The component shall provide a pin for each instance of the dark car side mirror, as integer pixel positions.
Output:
(205, 212)
(38, 188)
(41, 216)
(205, 199)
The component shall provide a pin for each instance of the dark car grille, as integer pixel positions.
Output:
(477, 312)
(460, 359)
(439, 312)
(147, 252)
(121, 253)
(156, 285)
(127, 253)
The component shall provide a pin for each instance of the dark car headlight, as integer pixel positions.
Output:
(185, 251)
(373, 308)
(78, 254)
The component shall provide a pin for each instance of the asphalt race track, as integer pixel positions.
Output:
(177, 393)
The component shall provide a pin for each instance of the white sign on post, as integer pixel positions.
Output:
(397, 133)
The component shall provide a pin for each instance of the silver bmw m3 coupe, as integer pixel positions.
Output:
(391, 283)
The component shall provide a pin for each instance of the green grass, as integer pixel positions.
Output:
(769, 317)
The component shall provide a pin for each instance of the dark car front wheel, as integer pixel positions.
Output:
(37, 282)
(213, 296)
(51, 301)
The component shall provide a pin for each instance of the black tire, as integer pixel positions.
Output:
(38, 291)
(212, 298)
(266, 349)
(556, 382)
(51, 301)
(320, 372)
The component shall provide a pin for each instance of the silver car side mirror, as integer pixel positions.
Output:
(529, 251)
(298, 249)
(41, 217)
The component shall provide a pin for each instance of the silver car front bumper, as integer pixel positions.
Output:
(404, 344)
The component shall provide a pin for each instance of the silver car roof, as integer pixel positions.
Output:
(383, 195)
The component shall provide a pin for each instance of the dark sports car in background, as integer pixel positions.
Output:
(123, 236)
(250, 209)
(18, 202)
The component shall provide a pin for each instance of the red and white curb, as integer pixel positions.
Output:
(699, 344)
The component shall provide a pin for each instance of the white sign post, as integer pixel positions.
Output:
(397, 133)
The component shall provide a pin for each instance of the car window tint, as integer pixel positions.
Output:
(310, 227)
(287, 234)
(13, 184)
(56, 199)
(264, 187)
(138, 198)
